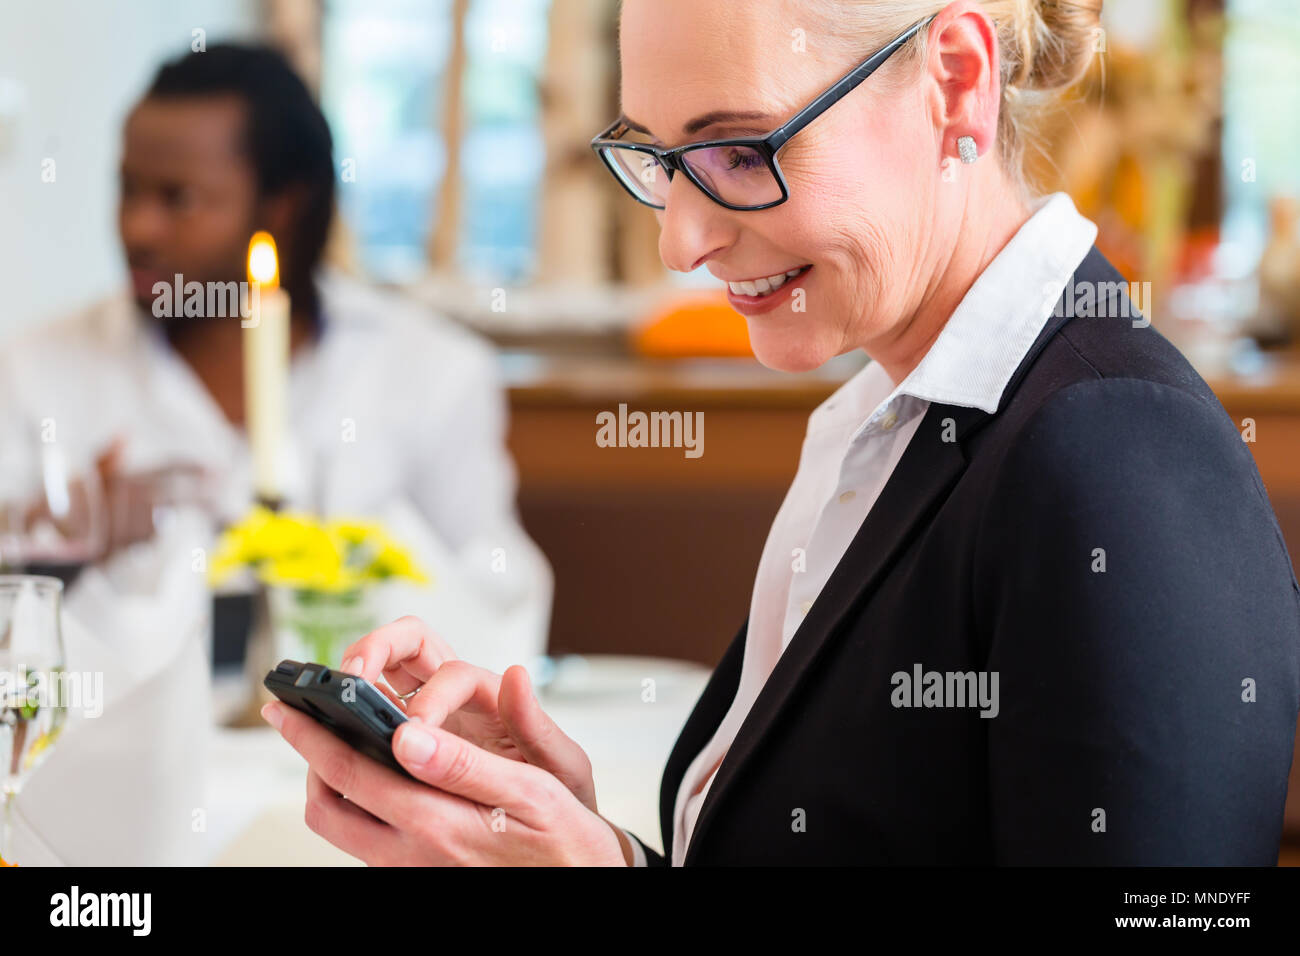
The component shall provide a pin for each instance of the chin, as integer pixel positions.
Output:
(787, 351)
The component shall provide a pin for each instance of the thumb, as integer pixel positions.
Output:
(539, 738)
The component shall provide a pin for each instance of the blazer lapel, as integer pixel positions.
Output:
(923, 476)
(700, 727)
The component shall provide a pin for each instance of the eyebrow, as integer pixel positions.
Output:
(708, 119)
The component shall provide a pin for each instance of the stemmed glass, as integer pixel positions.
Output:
(33, 705)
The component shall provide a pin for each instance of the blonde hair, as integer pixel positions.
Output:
(1044, 47)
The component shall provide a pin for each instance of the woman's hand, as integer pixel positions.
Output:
(496, 713)
(478, 808)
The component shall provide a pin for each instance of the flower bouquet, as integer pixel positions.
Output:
(318, 576)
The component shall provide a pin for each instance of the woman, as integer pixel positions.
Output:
(1026, 600)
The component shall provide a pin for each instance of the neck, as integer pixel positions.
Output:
(213, 349)
(992, 213)
(193, 337)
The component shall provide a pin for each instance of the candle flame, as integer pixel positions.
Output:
(263, 265)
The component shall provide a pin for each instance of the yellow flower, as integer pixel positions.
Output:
(308, 574)
(392, 561)
(293, 550)
(355, 532)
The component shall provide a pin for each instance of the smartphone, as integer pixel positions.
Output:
(352, 707)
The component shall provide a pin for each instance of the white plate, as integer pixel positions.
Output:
(612, 676)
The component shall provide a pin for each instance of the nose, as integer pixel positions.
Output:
(692, 227)
(142, 224)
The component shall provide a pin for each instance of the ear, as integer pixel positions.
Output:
(962, 63)
(279, 215)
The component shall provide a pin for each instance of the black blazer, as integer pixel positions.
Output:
(1104, 544)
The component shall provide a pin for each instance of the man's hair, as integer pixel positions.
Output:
(286, 137)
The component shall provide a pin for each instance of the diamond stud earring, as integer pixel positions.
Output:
(966, 149)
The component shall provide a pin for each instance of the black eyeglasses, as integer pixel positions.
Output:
(738, 173)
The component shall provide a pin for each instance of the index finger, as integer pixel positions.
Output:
(456, 685)
(407, 652)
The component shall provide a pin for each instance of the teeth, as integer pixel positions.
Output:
(764, 286)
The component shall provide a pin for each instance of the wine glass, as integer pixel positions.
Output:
(52, 521)
(144, 504)
(33, 706)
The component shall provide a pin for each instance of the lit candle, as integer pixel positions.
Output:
(266, 370)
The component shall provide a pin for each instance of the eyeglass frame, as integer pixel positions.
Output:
(766, 146)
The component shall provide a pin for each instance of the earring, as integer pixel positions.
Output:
(966, 149)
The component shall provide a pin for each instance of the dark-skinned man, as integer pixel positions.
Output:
(396, 413)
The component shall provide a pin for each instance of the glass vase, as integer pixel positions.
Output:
(316, 626)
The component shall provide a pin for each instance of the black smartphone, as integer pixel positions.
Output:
(352, 707)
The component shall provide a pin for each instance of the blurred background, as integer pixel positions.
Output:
(467, 187)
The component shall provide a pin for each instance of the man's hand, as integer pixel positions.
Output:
(131, 498)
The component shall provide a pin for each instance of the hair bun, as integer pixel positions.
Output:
(1057, 39)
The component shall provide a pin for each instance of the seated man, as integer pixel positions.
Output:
(395, 413)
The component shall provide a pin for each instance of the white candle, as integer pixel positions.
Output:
(266, 370)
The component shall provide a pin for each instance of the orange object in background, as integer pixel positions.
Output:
(693, 324)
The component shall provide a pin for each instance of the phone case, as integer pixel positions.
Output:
(353, 708)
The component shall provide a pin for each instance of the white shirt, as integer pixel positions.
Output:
(856, 438)
(396, 413)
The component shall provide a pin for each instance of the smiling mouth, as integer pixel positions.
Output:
(766, 285)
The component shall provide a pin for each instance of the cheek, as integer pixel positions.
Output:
(852, 232)
(846, 192)
(856, 208)
(213, 237)
(857, 233)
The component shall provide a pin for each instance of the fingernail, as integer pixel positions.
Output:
(354, 665)
(415, 744)
(272, 715)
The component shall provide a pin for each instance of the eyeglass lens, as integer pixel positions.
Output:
(736, 174)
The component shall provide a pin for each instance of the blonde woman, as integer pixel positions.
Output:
(1026, 600)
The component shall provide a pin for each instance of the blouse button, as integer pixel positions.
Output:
(847, 497)
(889, 421)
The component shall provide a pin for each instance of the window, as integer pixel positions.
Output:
(385, 72)
(1261, 120)
(503, 157)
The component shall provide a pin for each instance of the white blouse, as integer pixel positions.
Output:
(856, 438)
